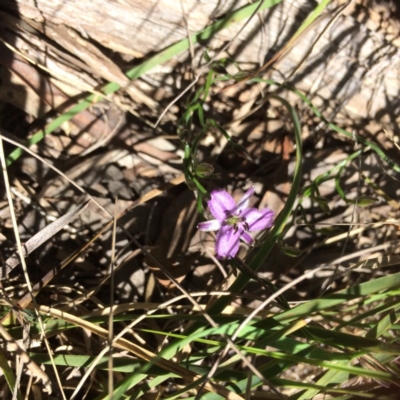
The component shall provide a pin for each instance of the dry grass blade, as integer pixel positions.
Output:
(377, 262)
(42, 236)
(24, 267)
(332, 20)
(111, 316)
(30, 364)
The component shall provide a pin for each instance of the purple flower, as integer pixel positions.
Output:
(234, 221)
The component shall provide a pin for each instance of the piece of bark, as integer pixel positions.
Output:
(352, 67)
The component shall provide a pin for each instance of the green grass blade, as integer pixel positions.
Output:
(8, 375)
(331, 300)
(384, 324)
(311, 18)
(331, 377)
(120, 364)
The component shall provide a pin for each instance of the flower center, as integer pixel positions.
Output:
(235, 221)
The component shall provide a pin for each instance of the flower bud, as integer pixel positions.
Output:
(203, 170)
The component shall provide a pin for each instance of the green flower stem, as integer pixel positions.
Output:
(262, 253)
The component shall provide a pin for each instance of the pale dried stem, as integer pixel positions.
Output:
(46, 382)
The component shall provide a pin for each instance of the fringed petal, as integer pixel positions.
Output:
(244, 201)
(227, 243)
(258, 220)
(221, 204)
(207, 226)
(247, 239)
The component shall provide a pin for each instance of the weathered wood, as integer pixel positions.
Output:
(352, 66)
